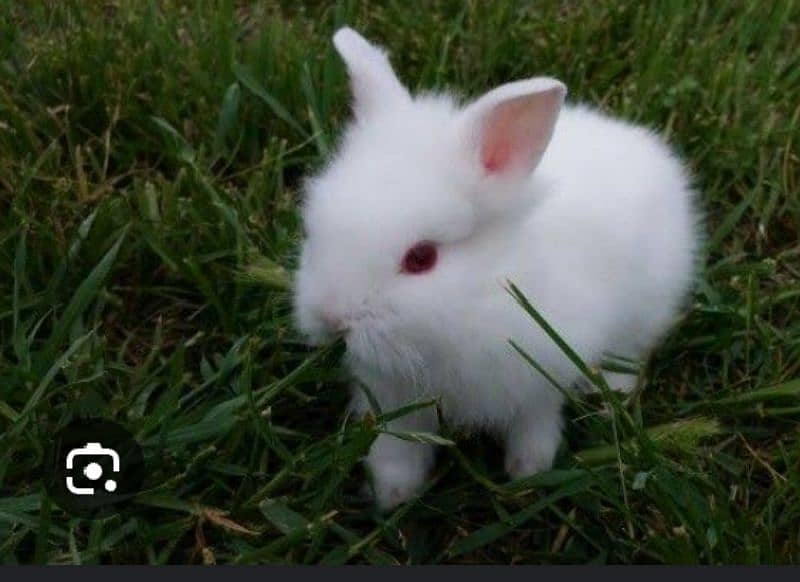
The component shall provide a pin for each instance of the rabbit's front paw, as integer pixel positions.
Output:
(394, 482)
(531, 446)
(624, 383)
(398, 469)
(524, 462)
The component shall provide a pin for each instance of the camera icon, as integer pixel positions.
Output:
(92, 470)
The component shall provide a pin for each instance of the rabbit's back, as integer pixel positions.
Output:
(613, 244)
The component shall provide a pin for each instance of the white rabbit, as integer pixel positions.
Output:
(426, 212)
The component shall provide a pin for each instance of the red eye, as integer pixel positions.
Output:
(420, 258)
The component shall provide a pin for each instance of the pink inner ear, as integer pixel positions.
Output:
(504, 142)
(495, 156)
(516, 132)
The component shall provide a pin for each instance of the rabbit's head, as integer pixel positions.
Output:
(407, 220)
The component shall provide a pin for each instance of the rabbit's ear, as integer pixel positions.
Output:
(373, 81)
(508, 129)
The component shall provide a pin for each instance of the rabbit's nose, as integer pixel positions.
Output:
(332, 320)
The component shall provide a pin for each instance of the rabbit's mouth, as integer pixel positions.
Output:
(321, 326)
(367, 320)
(384, 350)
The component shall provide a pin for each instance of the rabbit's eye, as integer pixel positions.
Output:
(420, 258)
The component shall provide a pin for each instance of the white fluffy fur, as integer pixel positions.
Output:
(601, 236)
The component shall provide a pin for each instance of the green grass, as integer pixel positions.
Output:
(150, 163)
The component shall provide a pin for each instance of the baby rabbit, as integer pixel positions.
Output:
(428, 209)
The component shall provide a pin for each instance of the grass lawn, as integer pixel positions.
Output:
(151, 156)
